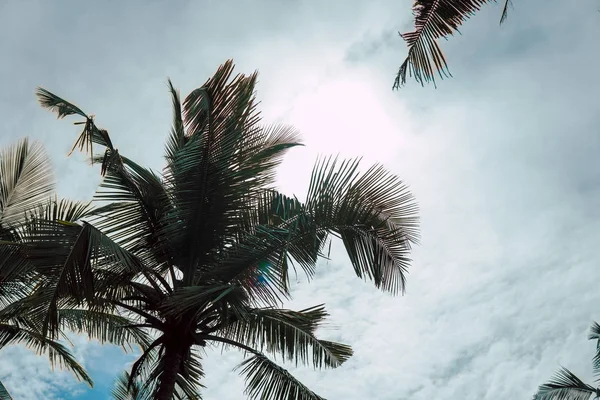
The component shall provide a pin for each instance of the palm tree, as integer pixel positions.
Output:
(565, 385)
(199, 255)
(25, 181)
(435, 19)
(26, 188)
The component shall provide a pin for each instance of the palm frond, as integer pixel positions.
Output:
(56, 209)
(137, 211)
(65, 255)
(105, 327)
(507, 4)
(4, 395)
(434, 19)
(565, 386)
(90, 134)
(26, 180)
(55, 104)
(595, 335)
(123, 390)
(58, 354)
(192, 300)
(177, 138)
(289, 333)
(374, 214)
(266, 380)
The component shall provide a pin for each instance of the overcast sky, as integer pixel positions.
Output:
(503, 159)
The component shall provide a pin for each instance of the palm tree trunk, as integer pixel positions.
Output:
(172, 363)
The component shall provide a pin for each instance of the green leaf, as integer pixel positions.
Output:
(26, 180)
(57, 353)
(434, 19)
(289, 333)
(565, 386)
(266, 380)
(374, 214)
(105, 327)
(4, 395)
(595, 335)
(55, 104)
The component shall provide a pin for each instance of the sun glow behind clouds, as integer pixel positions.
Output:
(348, 117)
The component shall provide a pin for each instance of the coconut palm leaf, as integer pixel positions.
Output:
(266, 380)
(57, 353)
(25, 180)
(4, 395)
(289, 333)
(123, 390)
(103, 326)
(565, 386)
(435, 19)
(595, 335)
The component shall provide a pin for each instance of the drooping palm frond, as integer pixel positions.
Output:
(57, 353)
(105, 327)
(289, 333)
(55, 104)
(266, 380)
(565, 386)
(64, 254)
(4, 395)
(374, 214)
(25, 180)
(595, 335)
(90, 134)
(435, 19)
(124, 390)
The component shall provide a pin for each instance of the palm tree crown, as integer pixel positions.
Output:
(199, 254)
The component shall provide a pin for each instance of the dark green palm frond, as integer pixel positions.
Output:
(595, 335)
(90, 134)
(4, 395)
(16, 274)
(139, 391)
(266, 380)
(434, 19)
(565, 386)
(25, 180)
(137, 211)
(177, 138)
(57, 353)
(192, 300)
(55, 209)
(105, 327)
(267, 246)
(225, 162)
(65, 254)
(123, 390)
(55, 104)
(374, 214)
(289, 333)
(507, 4)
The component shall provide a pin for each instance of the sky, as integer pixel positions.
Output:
(502, 159)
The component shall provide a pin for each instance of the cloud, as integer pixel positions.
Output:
(502, 158)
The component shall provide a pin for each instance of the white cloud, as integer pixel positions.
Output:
(502, 158)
